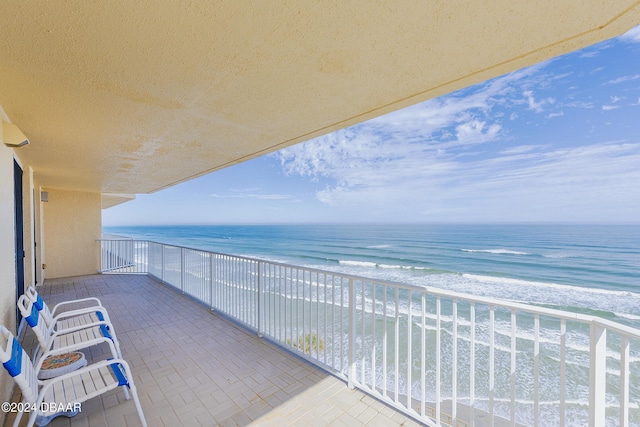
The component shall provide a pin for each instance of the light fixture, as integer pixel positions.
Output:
(12, 136)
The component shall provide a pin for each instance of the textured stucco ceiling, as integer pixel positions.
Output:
(131, 97)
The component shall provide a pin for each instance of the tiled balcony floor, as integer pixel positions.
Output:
(192, 367)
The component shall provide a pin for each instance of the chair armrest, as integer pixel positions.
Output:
(75, 301)
(81, 311)
(47, 384)
(55, 334)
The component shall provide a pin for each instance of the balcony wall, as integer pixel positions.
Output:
(66, 226)
(72, 223)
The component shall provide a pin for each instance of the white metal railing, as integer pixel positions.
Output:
(442, 357)
(123, 256)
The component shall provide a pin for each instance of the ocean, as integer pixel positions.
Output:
(593, 269)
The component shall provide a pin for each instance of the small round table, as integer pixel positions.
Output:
(54, 366)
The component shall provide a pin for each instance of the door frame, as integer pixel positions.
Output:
(19, 233)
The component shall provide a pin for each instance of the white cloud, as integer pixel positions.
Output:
(520, 149)
(595, 51)
(537, 106)
(623, 79)
(254, 196)
(632, 36)
(523, 184)
(590, 54)
(398, 176)
(433, 129)
(476, 131)
(579, 104)
(438, 116)
(453, 157)
(270, 196)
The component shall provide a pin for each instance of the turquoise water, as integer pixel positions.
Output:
(591, 269)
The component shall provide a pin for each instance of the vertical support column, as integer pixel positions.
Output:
(352, 333)
(597, 375)
(260, 300)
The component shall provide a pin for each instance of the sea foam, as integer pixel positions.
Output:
(496, 251)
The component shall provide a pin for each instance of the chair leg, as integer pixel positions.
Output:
(126, 391)
(32, 419)
(138, 406)
(134, 393)
(17, 419)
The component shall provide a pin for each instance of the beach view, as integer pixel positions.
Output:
(320, 213)
(588, 269)
(531, 200)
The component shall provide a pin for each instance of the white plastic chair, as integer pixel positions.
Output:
(44, 398)
(71, 317)
(78, 337)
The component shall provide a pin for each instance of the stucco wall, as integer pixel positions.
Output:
(72, 224)
(7, 258)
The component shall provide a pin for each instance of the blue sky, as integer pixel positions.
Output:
(555, 142)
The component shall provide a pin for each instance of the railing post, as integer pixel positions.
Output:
(624, 380)
(182, 270)
(211, 280)
(597, 375)
(149, 255)
(148, 246)
(260, 299)
(131, 256)
(162, 256)
(101, 269)
(351, 373)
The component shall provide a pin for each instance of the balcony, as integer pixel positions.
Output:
(441, 357)
(193, 367)
(384, 353)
